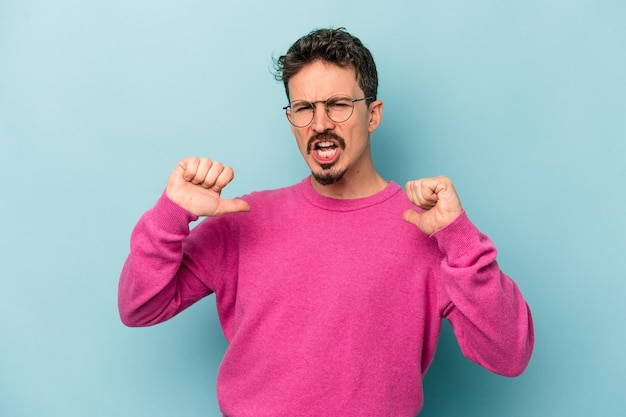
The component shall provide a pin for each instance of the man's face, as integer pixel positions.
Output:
(334, 151)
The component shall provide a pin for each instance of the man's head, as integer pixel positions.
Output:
(333, 46)
(331, 82)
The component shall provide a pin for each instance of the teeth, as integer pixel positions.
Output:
(326, 153)
(325, 144)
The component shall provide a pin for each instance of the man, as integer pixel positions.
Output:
(330, 292)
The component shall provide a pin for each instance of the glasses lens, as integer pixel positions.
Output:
(301, 113)
(339, 108)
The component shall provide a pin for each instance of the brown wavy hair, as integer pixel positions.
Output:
(335, 46)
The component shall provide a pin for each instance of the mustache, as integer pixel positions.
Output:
(325, 136)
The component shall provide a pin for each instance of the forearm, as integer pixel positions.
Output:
(154, 283)
(487, 310)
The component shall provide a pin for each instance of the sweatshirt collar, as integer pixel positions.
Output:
(337, 204)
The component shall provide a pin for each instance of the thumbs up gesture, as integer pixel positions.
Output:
(438, 200)
(196, 185)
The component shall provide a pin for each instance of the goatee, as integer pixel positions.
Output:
(328, 177)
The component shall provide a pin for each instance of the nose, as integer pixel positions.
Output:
(321, 122)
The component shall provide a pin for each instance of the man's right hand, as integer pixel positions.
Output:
(196, 185)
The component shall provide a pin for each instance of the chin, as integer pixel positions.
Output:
(328, 177)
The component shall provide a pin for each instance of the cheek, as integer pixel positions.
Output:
(358, 132)
(301, 139)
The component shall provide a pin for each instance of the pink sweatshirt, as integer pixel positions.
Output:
(330, 307)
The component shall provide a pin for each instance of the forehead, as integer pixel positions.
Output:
(320, 80)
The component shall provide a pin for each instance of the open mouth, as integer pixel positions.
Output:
(326, 150)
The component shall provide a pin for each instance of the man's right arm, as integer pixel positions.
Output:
(156, 283)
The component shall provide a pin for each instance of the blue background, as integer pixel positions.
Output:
(522, 104)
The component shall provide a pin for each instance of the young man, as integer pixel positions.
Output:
(330, 292)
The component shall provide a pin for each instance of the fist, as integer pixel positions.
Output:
(438, 200)
(196, 184)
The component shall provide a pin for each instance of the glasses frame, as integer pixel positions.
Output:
(313, 105)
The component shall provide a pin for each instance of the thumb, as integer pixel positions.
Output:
(412, 216)
(233, 206)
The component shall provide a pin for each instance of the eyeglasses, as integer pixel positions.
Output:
(339, 108)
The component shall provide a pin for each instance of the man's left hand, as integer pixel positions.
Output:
(438, 200)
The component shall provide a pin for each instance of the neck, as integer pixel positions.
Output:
(352, 186)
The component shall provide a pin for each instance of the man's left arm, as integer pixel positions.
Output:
(490, 318)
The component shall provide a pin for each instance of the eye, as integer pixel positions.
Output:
(339, 103)
(300, 106)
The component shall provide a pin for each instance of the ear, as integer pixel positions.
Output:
(375, 115)
(292, 127)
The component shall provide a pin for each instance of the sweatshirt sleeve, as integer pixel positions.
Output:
(488, 313)
(157, 280)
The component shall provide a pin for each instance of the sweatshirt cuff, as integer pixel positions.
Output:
(171, 216)
(461, 241)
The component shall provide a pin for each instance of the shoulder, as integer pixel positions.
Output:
(283, 195)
